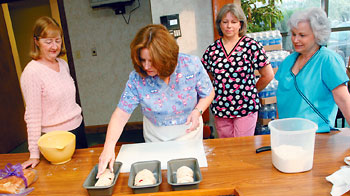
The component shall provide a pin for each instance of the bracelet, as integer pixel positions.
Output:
(199, 110)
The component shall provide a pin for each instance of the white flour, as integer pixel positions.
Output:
(292, 159)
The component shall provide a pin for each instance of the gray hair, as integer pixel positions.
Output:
(318, 21)
(237, 11)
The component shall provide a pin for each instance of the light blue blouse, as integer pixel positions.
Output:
(316, 80)
(168, 104)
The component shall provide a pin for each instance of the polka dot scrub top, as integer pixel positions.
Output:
(234, 80)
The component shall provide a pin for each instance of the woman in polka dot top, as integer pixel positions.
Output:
(231, 61)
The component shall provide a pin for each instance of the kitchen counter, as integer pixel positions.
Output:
(233, 168)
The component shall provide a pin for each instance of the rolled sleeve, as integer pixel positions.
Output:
(334, 72)
(203, 83)
(259, 57)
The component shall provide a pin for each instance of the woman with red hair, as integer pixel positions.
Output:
(173, 90)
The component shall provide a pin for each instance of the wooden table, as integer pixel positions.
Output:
(233, 168)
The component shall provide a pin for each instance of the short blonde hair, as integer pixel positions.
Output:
(45, 27)
(163, 49)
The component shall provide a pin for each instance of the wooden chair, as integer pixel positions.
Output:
(207, 130)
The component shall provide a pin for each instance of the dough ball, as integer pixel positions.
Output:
(184, 171)
(144, 177)
(184, 174)
(105, 179)
(185, 179)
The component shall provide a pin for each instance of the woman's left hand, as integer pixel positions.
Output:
(194, 119)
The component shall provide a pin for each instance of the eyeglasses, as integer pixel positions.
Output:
(49, 41)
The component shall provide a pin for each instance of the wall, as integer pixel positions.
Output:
(102, 78)
(196, 22)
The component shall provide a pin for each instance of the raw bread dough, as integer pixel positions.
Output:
(144, 177)
(184, 174)
(185, 179)
(105, 179)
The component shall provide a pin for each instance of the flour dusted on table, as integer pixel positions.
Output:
(291, 159)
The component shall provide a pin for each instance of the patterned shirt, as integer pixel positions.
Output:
(234, 80)
(168, 104)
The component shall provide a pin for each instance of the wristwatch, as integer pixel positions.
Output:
(199, 110)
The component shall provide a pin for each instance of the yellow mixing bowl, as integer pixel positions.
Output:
(57, 146)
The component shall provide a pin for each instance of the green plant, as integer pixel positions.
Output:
(262, 18)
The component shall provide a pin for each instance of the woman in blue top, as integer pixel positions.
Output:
(173, 90)
(312, 80)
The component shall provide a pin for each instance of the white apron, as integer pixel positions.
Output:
(153, 133)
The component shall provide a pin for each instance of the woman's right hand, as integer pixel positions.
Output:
(107, 157)
(30, 162)
(114, 130)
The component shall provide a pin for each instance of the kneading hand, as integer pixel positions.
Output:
(194, 119)
(107, 157)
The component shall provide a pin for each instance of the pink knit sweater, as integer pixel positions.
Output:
(50, 101)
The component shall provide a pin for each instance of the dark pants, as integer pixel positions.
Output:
(79, 132)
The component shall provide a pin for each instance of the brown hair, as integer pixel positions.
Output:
(45, 27)
(162, 46)
(237, 11)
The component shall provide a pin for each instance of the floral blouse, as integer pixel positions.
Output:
(234, 80)
(168, 104)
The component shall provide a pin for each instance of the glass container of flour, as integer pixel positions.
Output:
(292, 144)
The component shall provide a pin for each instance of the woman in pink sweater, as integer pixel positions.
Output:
(48, 90)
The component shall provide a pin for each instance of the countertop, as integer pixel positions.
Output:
(233, 168)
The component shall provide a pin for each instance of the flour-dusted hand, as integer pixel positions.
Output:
(114, 130)
(107, 158)
(347, 160)
(194, 119)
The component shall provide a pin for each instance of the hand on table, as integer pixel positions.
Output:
(30, 162)
(107, 157)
